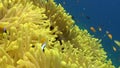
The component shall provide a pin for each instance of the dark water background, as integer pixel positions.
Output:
(98, 13)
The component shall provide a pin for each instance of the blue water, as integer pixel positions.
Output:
(98, 13)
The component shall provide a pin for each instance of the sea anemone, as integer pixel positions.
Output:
(30, 24)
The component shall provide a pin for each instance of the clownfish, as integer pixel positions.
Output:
(43, 46)
(44, 43)
(2, 29)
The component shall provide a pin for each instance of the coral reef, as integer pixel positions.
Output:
(40, 34)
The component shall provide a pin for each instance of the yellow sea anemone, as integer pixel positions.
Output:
(31, 23)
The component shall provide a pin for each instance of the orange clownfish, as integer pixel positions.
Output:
(2, 29)
(43, 46)
(44, 43)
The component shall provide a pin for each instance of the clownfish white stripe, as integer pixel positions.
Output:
(43, 46)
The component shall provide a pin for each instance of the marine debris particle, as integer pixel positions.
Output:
(99, 28)
(117, 42)
(114, 48)
(107, 32)
(92, 29)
